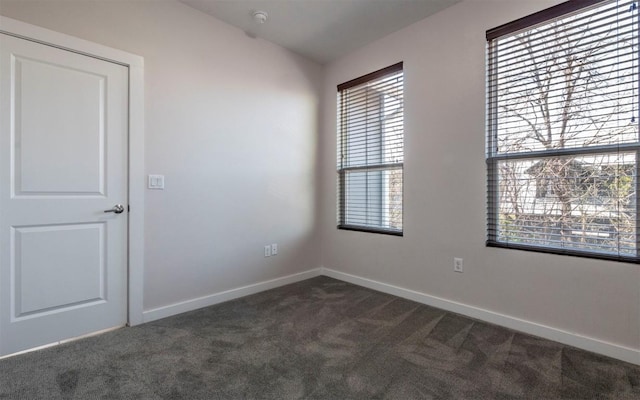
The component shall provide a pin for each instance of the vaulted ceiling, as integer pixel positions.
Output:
(321, 30)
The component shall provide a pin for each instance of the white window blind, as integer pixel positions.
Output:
(371, 152)
(562, 134)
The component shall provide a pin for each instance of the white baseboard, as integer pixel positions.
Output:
(200, 302)
(572, 339)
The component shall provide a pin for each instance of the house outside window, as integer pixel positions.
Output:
(371, 152)
(562, 131)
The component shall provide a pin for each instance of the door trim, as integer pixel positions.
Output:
(135, 64)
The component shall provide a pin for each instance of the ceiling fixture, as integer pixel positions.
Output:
(260, 16)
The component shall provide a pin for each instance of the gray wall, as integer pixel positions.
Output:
(232, 124)
(444, 209)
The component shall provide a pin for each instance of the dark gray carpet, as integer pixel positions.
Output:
(317, 339)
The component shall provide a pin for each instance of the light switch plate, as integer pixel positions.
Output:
(156, 182)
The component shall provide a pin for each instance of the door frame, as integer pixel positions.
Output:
(135, 65)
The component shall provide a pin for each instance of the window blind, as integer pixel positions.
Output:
(562, 131)
(371, 152)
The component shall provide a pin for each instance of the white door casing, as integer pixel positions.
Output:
(63, 261)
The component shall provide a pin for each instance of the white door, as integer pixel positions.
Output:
(63, 152)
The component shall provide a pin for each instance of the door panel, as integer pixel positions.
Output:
(63, 152)
(76, 115)
(78, 253)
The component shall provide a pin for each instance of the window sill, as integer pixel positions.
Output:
(564, 252)
(370, 230)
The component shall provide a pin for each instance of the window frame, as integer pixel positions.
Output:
(493, 157)
(343, 171)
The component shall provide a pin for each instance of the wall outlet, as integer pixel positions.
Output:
(267, 251)
(274, 249)
(457, 264)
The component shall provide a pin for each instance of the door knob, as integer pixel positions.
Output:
(118, 209)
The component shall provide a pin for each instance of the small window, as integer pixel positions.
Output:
(562, 133)
(371, 152)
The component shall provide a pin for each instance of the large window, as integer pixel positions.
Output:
(562, 133)
(371, 152)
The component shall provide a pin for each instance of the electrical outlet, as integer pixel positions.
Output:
(274, 249)
(267, 251)
(457, 265)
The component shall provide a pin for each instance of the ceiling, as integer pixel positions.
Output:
(321, 30)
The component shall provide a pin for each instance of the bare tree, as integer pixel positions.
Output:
(579, 91)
